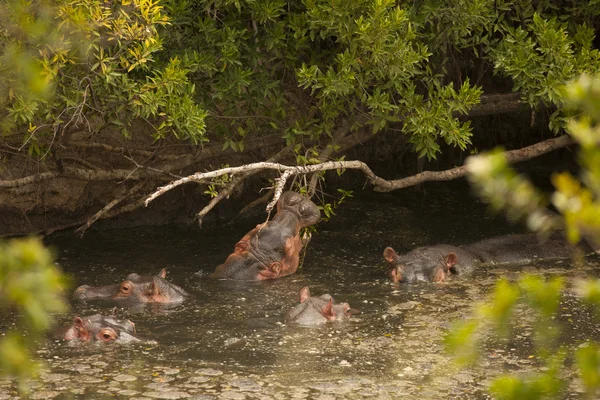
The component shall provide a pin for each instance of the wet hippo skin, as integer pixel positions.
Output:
(436, 263)
(272, 249)
(100, 328)
(135, 289)
(318, 310)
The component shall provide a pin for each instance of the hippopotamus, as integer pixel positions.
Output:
(436, 263)
(318, 310)
(136, 289)
(272, 249)
(100, 328)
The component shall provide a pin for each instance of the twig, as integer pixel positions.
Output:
(215, 200)
(134, 205)
(232, 185)
(262, 199)
(81, 230)
(138, 165)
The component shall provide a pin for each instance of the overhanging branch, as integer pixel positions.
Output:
(379, 184)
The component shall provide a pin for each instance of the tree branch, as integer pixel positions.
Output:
(512, 156)
(123, 150)
(81, 230)
(295, 170)
(89, 175)
(380, 184)
(492, 104)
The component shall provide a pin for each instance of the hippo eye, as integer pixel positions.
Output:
(126, 289)
(107, 335)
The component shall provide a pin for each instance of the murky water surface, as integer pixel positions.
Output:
(230, 340)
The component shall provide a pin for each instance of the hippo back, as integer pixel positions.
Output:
(520, 248)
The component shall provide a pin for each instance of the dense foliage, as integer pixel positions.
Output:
(226, 69)
(577, 200)
(32, 285)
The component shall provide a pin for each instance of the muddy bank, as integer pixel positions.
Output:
(106, 175)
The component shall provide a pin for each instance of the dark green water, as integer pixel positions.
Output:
(230, 339)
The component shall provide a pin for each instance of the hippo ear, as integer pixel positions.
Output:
(451, 260)
(390, 255)
(275, 267)
(78, 322)
(242, 245)
(82, 331)
(328, 311)
(77, 331)
(163, 273)
(304, 294)
(132, 325)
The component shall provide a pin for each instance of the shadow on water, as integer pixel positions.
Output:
(230, 338)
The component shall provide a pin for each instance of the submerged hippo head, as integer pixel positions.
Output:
(135, 288)
(272, 249)
(101, 328)
(433, 264)
(318, 310)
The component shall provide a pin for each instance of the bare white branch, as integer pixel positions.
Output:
(279, 185)
(293, 170)
(379, 184)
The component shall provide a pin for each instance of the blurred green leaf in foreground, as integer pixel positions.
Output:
(31, 287)
(577, 201)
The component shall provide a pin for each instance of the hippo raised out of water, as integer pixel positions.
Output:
(318, 310)
(436, 263)
(135, 289)
(100, 328)
(272, 249)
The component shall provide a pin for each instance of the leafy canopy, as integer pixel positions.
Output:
(224, 70)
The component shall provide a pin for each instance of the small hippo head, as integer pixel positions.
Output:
(318, 310)
(419, 266)
(100, 328)
(136, 289)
